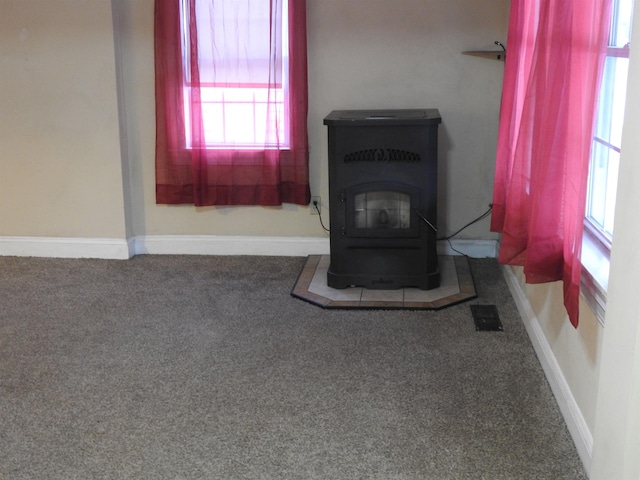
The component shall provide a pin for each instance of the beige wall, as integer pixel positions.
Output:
(60, 172)
(362, 54)
(576, 350)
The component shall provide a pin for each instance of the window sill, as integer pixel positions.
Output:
(595, 274)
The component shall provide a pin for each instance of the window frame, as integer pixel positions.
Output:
(214, 91)
(596, 244)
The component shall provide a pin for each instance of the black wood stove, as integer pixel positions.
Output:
(382, 198)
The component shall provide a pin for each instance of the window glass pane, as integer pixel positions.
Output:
(611, 100)
(242, 58)
(603, 177)
(612, 188)
(214, 125)
(597, 173)
(605, 152)
(235, 95)
(621, 23)
(233, 40)
(239, 124)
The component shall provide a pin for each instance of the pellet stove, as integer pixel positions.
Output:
(383, 167)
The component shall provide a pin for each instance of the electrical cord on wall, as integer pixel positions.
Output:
(475, 220)
(317, 207)
(447, 238)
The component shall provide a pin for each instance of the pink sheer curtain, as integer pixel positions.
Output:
(202, 159)
(552, 74)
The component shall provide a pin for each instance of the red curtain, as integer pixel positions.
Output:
(552, 74)
(193, 165)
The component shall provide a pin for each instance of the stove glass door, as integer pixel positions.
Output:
(382, 209)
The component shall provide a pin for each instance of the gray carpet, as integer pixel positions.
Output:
(194, 367)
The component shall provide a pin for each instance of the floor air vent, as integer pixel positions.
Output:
(486, 318)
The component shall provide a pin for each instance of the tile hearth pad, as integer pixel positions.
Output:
(456, 285)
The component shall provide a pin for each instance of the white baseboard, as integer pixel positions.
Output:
(230, 245)
(280, 246)
(60, 247)
(113, 248)
(578, 428)
(471, 248)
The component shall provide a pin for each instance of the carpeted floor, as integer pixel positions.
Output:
(195, 367)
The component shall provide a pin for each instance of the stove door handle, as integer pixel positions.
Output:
(424, 219)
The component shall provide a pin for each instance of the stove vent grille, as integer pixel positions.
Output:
(389, 155)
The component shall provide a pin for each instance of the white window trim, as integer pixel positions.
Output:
(595, 272)
(596, 247)
(282, 125)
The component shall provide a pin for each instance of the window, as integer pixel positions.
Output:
(242, 95)
(231, 102)
(605, 156)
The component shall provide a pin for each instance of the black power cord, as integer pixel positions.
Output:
(475, 220)
(447, 238)
(317, 207)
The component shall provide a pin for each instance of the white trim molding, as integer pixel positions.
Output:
(470, 248)
(120, 249)
(576, 423)
(66, 247)
(230, 245)
(594, 280)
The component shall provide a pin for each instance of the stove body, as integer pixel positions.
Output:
(383, 169)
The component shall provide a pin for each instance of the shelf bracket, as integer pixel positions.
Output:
(492, 54)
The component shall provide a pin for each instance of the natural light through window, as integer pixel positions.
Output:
(604, 162)
(242, 96)
(605, 151)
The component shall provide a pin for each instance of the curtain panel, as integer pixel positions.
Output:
(556, 52)
(193, 63)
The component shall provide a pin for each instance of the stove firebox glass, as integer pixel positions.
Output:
(382, 209)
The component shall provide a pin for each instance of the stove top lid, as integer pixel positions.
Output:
(383, 117)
